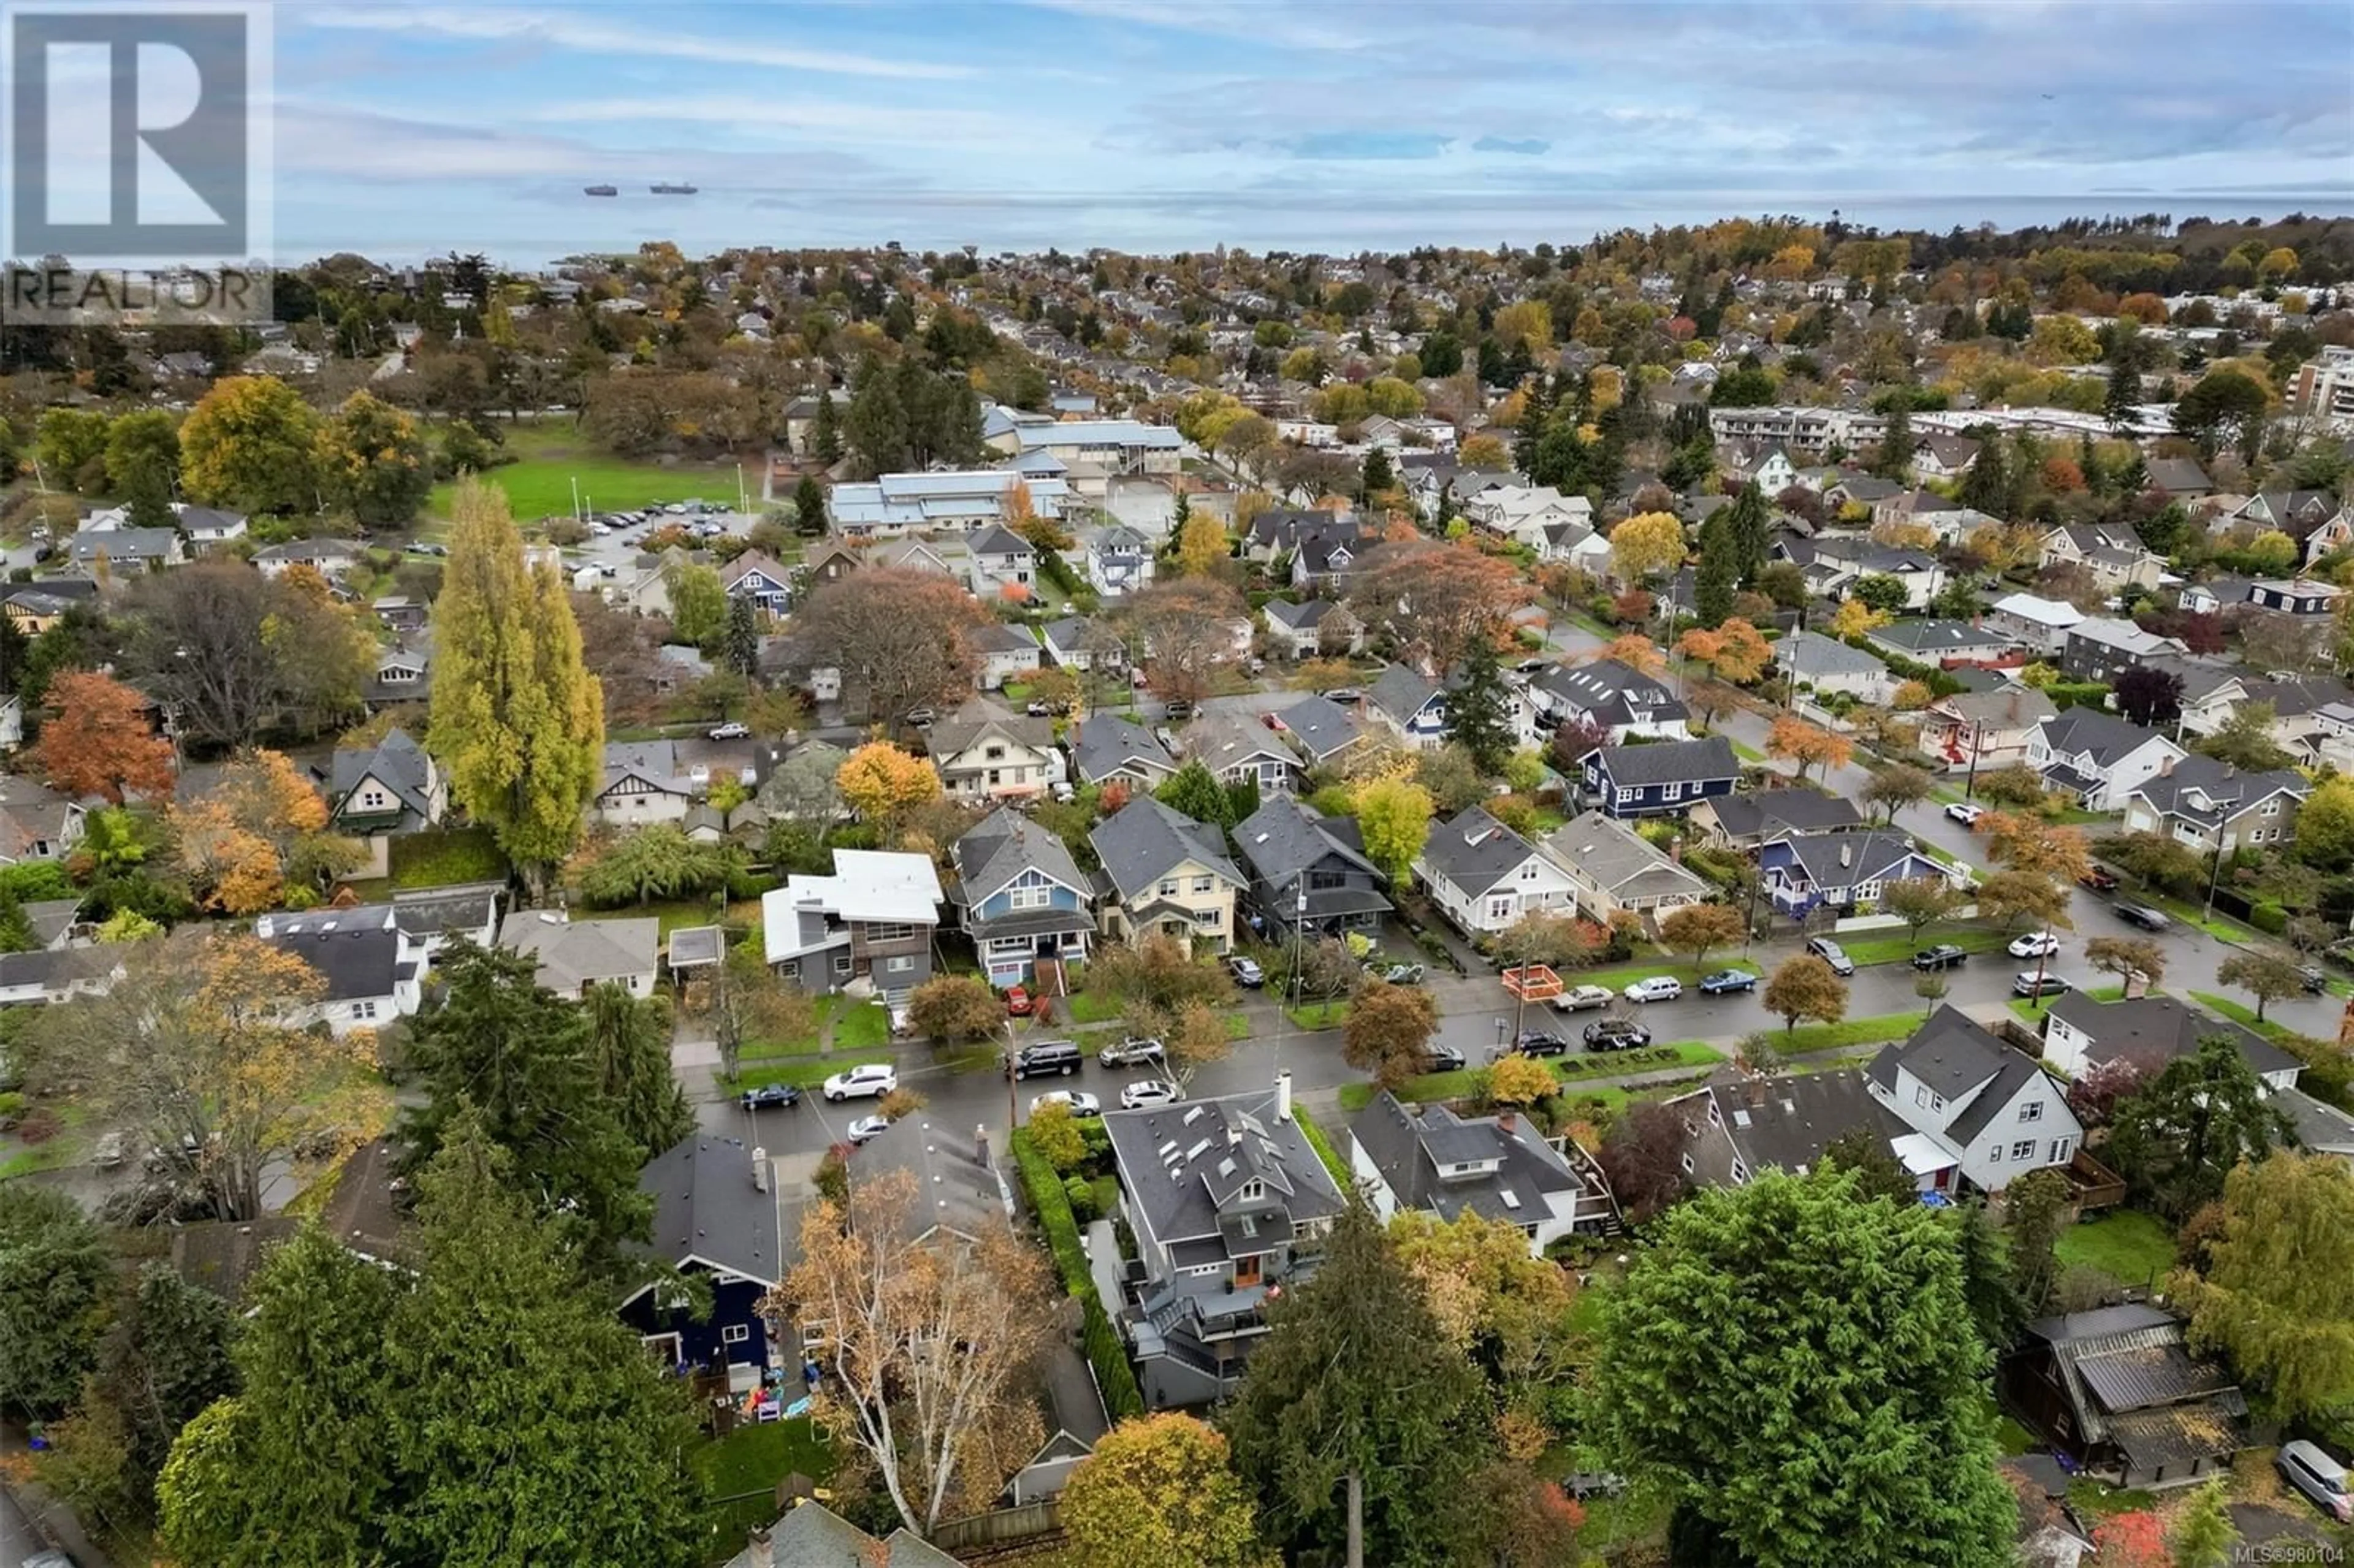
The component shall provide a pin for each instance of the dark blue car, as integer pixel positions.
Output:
(1726, 980)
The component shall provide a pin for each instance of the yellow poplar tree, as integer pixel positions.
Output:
(515, 715)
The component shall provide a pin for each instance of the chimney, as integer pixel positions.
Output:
(1283, 1096)
(1756, 1087)
(1508, 1123)
(762, 1552)
(1847, 855)
(760, 1169)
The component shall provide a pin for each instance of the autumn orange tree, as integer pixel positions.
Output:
(259, 825)
(1807, 745)
(1735, 651)
(943, 1431)
(1442, 598)
(2026, 843)
(198, 1048)
(880, 783)
(1636, 651)
(102, 741)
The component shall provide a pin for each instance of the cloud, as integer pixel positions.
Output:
(1367, 144)
(497, 24)
(1529, 147)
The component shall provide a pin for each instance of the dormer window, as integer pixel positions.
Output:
(1251, 1191)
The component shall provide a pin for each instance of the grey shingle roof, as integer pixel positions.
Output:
(355, 964)
(1770, 813)
(1619, 860)
(1613, 691)
(2151, 1030)
(1323, 728)
(1408, 1145)
(1870, 856)
(2227, 791)
(1180, 1163)
(1810, 656)
(1671, 761)
(2106, 739)
(397, 763)
(706, 1207)
(1107, 744)
(1950, 1054)
(1475, 851)
(1400, 692)
(1789, 1124)
(1930, 637)
(1001, 847)
(1140, 843)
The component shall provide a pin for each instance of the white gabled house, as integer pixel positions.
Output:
(1980, 1112)
(1483, 876)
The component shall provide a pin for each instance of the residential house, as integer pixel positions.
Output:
(1944, 456)
(1848, 560)
(576, 956)
(1008, 652)
(1989, 1113)
(37, 822)
(1020, 898)
(1228, 1203)
(1827, 666)
(1105, 747)
(934, 557)
(642, 783)
(2080, 1035)
(1236, 751)
(831, 560)
(404, 671)
(717, 1220)
(1522, 513)
(2213, 691)
(2211, 806)
(1773, 472)
(1950, 521)
(1849, 872)
(985, 752)
(35, 607)
(1613, 697)
(1937, 643)
(756, 575)
(2119, 1391)
(1483, 876)
(1309, 871)
(53, 975)
(2301, 596)
(2040, 625)
(2114, 553)
(1119, 562)
(1278, 530)
(950, 501)
(2332, 536)
(1329, 557)
(1427, 1159)
(1579, 544)
(368, 975)
(1165, 875)
(429, 919)
(377, 793)
(1611, 868)
(2099, 651)
(1322, 729)
(1660, 778)
(1748, 822)
(871, 921)
(2296, 513)
(1411, 705)
(1974, 731)
(1004, 565)
(2182, 478)
(1075, 642)
(400, 614)
(1734, 1128)
(1314, 629)
(126, 552)
(206, 525)
(328, 558)
(811, 1535)
(2217, 594)
(2098, 758)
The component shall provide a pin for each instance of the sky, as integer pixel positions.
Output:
(407, 129)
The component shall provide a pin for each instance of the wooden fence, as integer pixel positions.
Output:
(998, 1527)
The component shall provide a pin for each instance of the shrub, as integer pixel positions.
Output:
(1081, 1196)
(1052, 1201)
(2269, 918)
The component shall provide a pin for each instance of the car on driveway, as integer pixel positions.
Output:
(1964, 812)
(2027, 982)
(1146, 1093)
(1832, 953)
(2100, 879)
(1724, 983)
(1080, 1102)
(1247, 973)
(2034, 945)
(870, 1081)
(1537, 1043)
(1615, 1035)
(2143, 915)
(769, 1097)
(1132, 1052)
(1578, 998)
(731, 730)
(1659, 988)
(2308, 1468)
(1438, 1058)
(1344, 695)
(866, 1128)
(1944, 956)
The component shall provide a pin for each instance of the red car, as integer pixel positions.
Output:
(1020, 1003)
(2099, 880)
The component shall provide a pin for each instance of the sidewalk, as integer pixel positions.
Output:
(26, 1510)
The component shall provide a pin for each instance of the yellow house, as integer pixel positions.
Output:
(1170, 876)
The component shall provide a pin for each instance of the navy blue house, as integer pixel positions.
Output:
(1659, 778)
(716, 1218)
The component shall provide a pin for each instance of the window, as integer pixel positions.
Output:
(2271, 807)
(899, 964)
(2032, 1111)
(2061, 1149)
(734, 1333)
(1031, 898)
(841, 963)
(993, 753)
(1500, 908)
(1204, 883)
(1168, 887)
(364, 1009)
(2023, 1149)
(373, 801)
(1625, 796)
(1674, 793)
(1688, 1165)
(1207, 918)
(995, 776)
(1528, 870)
(889, 933)
(1994, 1154)
(1327, 881)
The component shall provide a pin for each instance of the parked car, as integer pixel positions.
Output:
(1537, 1043)
(1344, 695)
(1616, 1035)
(1659, 988)
(1578, 998)
(1046, 1059)
(1724, 983)
(1079, 1102)
(1020, 1003)
(732, 729)
(1944, 956)
(2310, 1469)
(1964, 812)
(2314, 980)
(871, 1082)
(2143, 915)
(1247, 972)
(1132, 1052)
(2100, 879)
(1443, 1059)
(867, 1128)
(2034, 945)
(1832, 953)
(771, 1097)
(1396, 974)
(921, 718)
(2027, 982)
(1146, 1093)
(1037, 709)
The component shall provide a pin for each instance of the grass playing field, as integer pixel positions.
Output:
(550, 455)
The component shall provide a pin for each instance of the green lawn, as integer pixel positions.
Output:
(1312, 1016)
(442, 857)
(1748, 752)
(2125, 1244)
(1568, 1071)
(1899, 948)
(1624, 975)
(2241, 1013)
(1322, 1145)
(801, 1072)
(2215, 926)
(1870, 1031)
(741, 1472)
(1090, 1007)
(859, 1025)
(550, 456)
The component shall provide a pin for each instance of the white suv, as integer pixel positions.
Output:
(871, 1082)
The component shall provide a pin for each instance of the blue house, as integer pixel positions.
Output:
(1848, 871)
(716, 1218)
(1020, 898)
(1412, 704)
(1662, 777)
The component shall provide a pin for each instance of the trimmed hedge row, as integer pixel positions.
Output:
(1323, 1148)
(1121, 1397)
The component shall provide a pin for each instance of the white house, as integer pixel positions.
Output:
(1829, 665)
(1119, 562)
(1484, 876)
(2080, 1035)
(1503, 1167)
(2098, 757)
(2037, 623)
(1981, 1110)
(576, 956)
(368, 973)
(1522, 513)
(643, 783)
(1007, 653)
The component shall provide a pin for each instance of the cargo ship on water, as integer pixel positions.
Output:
(671, 190)
(601, 190)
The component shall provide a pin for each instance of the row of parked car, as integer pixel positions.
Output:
(1653, 988)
